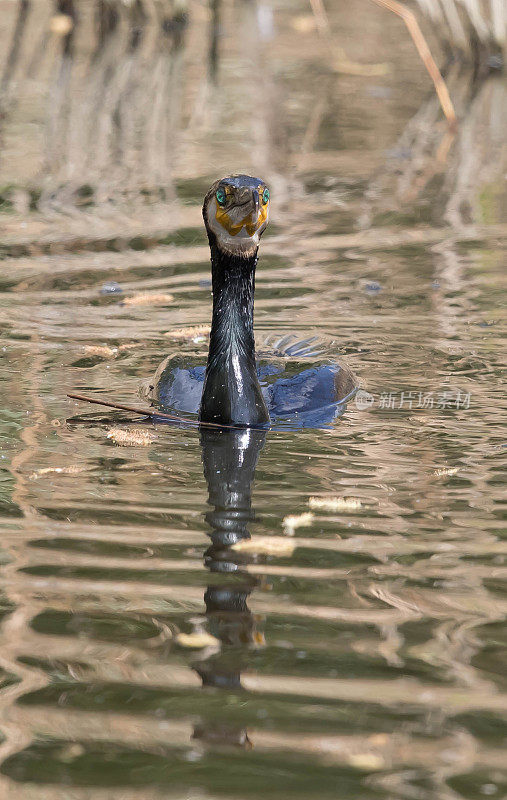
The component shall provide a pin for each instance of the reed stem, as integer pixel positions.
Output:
(423, 49)
(146, 412)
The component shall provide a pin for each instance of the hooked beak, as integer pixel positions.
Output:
(256, 205)
(250, 201)
(253, 214)
(254, 220)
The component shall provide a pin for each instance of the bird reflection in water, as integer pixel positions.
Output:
(229, 458)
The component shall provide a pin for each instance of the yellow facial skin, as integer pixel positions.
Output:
(250, 223)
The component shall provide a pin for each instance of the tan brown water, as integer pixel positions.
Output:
(167, 631)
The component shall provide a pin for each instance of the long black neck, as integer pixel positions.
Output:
(232, 394)
(233, 280)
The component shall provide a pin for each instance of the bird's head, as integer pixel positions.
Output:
(235, 212)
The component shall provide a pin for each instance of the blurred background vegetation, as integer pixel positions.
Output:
(115, 113)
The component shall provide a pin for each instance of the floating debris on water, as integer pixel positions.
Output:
(128, 346)
(131, 437)
(334, 503)
(147, 299)
(111, 287)
(104, 351)
(71, 752)
(446, 471)
(195, 333)
(294, 521)
(198, 639)
(366, 761)
(72, 469)
(265, 545)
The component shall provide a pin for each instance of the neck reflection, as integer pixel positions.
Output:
(229, 459)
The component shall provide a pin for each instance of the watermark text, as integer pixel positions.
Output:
(414, 400)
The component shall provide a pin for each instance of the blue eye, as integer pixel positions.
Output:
(220, 195)
(265, 196)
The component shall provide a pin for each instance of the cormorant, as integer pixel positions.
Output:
(228, 391)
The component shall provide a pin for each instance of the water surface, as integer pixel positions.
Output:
(164, 633)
